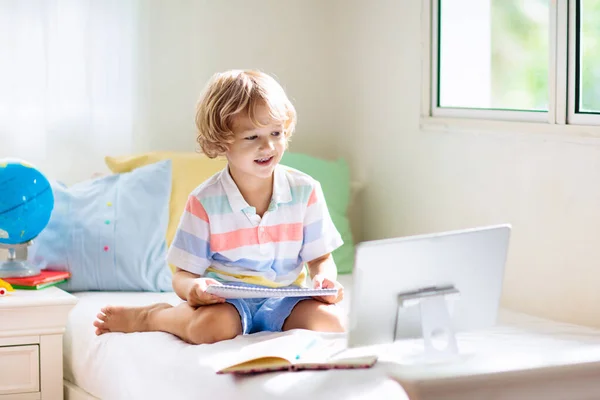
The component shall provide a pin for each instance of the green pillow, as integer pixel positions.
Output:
(334, 177)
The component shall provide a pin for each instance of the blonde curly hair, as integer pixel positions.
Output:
(234, 92)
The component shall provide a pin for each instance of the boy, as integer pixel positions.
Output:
(254, 223)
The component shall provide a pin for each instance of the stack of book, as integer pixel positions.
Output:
(43, 280)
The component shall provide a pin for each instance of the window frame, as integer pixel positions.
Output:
(559, 118)
(573, 64)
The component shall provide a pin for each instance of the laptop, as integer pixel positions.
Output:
(458, 274)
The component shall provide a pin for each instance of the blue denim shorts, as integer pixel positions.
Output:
(259, 315)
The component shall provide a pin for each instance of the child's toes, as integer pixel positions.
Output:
(101, 316)
(101, 330)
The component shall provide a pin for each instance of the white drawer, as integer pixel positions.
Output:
(19, 369)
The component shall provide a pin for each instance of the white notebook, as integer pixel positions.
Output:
(245, 292)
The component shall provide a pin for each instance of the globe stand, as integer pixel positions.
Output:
(15, 266)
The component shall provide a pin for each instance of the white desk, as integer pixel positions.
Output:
(523, 358)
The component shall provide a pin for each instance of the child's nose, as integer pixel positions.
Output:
(267, 144)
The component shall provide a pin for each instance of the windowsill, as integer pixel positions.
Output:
(583, 134)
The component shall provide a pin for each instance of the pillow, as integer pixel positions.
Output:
(188, 171)
(334, 177)
(110, 232)
(191, 169)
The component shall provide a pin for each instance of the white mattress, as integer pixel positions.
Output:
(158, 365)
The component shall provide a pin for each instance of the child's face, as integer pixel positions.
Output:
(256, 151)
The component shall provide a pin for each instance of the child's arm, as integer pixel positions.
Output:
(320, 239)
(190, 249)
(323, 273)
(323, 265)
(192, 288)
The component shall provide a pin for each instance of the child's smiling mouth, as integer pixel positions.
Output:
(264, 161)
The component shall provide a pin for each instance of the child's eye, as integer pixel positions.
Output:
(251, 137)
(276, 133)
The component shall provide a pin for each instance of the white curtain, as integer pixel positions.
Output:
(67, 83)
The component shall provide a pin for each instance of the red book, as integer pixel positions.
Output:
(46, 276)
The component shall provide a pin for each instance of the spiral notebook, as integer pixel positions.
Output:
(249, 292)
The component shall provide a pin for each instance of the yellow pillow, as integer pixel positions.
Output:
(189, 171)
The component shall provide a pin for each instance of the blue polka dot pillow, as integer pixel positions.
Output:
(110, 232)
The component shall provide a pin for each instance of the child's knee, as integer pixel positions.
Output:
(214, 323)
(315, 316)
(329, 319)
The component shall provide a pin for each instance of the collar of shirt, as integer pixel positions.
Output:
(282, 192)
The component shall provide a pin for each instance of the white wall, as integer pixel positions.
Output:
(424, 181)
(178, 45)
(183, 42)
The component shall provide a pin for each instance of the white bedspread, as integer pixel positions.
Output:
(158, 365)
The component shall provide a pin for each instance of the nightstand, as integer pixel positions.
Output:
(32, 323)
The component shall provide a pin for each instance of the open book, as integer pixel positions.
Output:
(294, 353)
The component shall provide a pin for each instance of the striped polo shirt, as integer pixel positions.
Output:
(220, 235)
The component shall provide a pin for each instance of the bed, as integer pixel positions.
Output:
(523, 357)
(158, 365)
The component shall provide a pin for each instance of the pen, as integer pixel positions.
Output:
(308, 347)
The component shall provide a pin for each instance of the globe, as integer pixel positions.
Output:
(26, 202)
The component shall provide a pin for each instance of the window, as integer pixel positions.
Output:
(521, 60)
(587, 31)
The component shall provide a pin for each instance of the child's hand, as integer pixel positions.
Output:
(199, 297)
(321, 282)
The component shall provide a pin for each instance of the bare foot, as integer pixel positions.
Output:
(125, 319)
